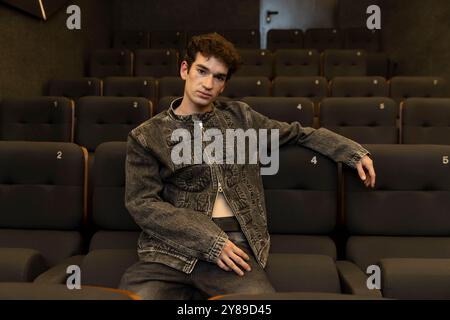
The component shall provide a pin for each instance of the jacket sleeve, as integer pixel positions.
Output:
(324, 141)
(188, 231)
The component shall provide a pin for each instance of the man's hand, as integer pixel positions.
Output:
(232, 257)
(369, 178)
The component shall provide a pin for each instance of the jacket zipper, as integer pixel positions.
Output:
(219, 186)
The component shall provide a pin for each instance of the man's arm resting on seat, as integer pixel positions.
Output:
(324, 141)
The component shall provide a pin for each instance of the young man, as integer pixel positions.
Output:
(204, 224)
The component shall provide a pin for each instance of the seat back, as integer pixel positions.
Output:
(323, 38)
(402, 88)
(144, 87)
(366, 120)
(255, 63)
(359, 87)
(239, 87)
(426, 121)
(344, 63)
(407, 214)
(284, 39)
(156, 63)
(284, 109)
(297, 62)
(363, 38)
(111, 62)
(37, 119)
(50, 176)
(102, 119)
(75, 88)
(301, 202)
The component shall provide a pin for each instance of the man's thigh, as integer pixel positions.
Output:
(213, 280)
(155, 281)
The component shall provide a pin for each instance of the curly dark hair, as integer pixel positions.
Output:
(213, 44)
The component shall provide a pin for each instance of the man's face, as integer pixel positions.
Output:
(205, 79)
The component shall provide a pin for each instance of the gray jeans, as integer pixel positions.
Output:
(155, 281)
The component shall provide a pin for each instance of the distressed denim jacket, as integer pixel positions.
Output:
(173, 203)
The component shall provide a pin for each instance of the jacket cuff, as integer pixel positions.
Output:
(217, 247)
(357, 156)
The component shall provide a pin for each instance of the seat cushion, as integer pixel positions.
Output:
(52, 244)
(301, 272)
(415, 278)
(20, 265)
(106, 267)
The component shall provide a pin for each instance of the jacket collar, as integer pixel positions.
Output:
(201, 116)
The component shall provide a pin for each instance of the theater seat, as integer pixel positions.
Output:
(362, 38)
(168, 39)
(244, 38)
(359, 87)
(144, 87)
(365, 120)
(426, 121)
(111, 62)
(101, 119)
(284, 39)
(114, 244)
(313, 88)
(284, 109)
(300, 224)
(156, 63)
(299, 232)
(37, 119)
(323, 39)
(255, 63)
(239, 87)
(402, 225)
(75, 88)
(344, 63)
(42, 206)
(402, 88)
(297, 62)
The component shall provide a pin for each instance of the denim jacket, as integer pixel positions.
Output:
(173, 203)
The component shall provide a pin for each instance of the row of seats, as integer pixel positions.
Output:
(288, 62)
(402, 225)
(318, 38)
(314, 88)
(101, 119)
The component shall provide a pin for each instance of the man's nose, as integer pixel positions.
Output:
(208, 82)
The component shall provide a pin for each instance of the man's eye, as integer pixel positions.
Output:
(201, 71)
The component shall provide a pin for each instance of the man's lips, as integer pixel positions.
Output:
(203, 94)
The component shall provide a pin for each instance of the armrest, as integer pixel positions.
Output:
(416, 278)
(353, 280)
(20, 264)
(57, 274)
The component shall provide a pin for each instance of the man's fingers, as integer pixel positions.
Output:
(240, 261)
(223, 265)
(240, 252)
(233, 266)
(361, 172)
(372, 175)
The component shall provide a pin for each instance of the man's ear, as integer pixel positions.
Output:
(184, 70)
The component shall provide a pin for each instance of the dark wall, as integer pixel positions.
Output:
(32, 51)
(352, 14)
(416, 34)
(186, 15)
